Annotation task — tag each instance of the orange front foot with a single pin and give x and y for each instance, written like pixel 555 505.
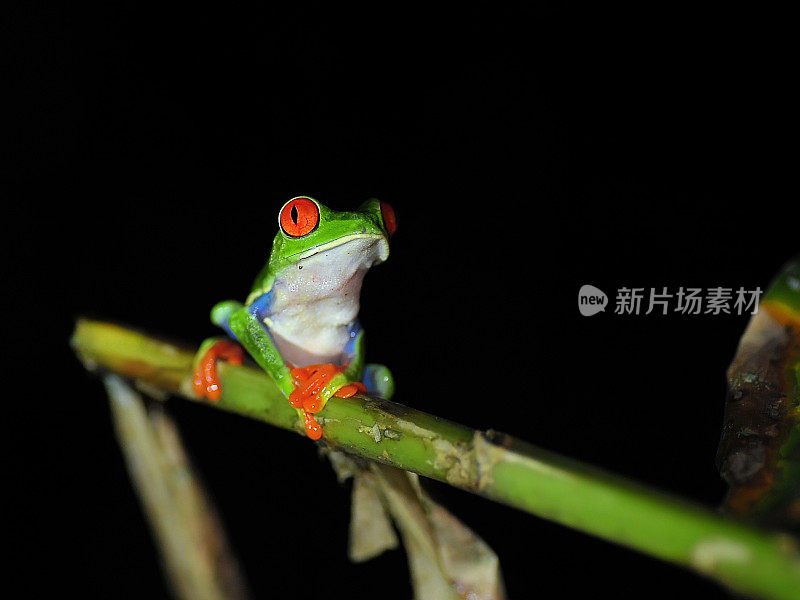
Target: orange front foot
pixel 309 382
pixel 205 381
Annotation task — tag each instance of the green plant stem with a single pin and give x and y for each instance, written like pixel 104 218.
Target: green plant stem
pixel 493 465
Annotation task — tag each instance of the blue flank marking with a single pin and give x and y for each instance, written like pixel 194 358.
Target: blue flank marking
pixel 262 305
pixel 260 308
pixel 350 347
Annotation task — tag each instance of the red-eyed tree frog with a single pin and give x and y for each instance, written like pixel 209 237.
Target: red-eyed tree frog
pixel 299 322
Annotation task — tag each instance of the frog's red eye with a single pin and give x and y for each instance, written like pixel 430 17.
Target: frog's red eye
pixel 299 217
pixel 389 218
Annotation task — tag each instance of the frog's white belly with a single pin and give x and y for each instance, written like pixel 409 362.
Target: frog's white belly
pixel 317 299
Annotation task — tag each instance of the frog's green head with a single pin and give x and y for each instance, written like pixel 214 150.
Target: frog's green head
pixel 308 228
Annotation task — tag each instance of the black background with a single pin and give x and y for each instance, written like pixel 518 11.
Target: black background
pixel 526 150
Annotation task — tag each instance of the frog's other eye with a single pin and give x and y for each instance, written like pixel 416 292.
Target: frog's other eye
pixel 299 217
pixel 389 218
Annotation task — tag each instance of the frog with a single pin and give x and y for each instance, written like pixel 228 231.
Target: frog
pixel 300 321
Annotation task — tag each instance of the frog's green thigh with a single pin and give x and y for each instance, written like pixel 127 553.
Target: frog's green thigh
pixel 251 334
pixel 379 381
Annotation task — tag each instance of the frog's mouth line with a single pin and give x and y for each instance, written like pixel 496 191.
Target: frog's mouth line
pixel 384 254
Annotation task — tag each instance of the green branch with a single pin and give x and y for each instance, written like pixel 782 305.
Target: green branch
pixel 493 465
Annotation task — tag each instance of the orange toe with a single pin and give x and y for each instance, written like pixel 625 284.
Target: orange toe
pixel 313 429
pixel 350 390
pixel 205 381
pixel 309 381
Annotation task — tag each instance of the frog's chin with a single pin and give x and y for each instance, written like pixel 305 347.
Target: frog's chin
pixel 382 246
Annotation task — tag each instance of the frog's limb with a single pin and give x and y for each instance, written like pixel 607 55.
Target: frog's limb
pixel 222 311
pixel 248 326
pixel 308 388
pixel 343 381
pixel 205 381
pixel 245 325
pixel 316 384
pixel 354 352
pixel 378 381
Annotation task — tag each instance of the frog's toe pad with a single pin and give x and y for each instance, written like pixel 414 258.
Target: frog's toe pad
pixel 205 381
pixel 313 429
pixel 351 390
